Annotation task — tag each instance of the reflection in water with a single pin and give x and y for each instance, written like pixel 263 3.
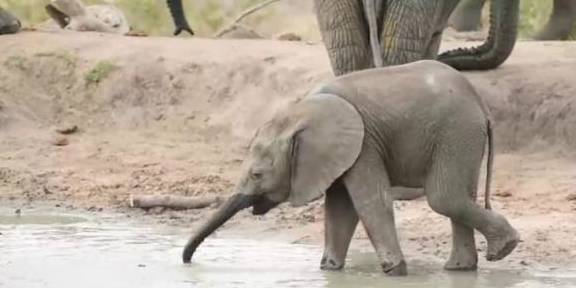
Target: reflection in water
pixel 54 251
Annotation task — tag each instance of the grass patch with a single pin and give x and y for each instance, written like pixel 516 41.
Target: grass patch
pixel 100 72
pixel 68 58
pixel 15 61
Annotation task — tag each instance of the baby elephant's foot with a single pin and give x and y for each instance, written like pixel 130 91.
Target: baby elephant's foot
pixel 462 264
pixel 500 247
pixel 463 258
pixel 330 264
pixel 394 269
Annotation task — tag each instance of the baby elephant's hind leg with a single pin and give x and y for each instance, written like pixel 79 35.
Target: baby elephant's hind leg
pixel 452 179
pixel 463 256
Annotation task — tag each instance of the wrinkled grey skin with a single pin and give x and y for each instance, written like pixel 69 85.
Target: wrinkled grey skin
pixel 9 24
pixel 419 125
pixel 408 31
pixel 562 21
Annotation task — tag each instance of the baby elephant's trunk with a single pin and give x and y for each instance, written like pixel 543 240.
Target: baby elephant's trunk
pixel 234 204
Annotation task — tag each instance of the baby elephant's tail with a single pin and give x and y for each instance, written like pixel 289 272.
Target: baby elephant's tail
pixel 489 164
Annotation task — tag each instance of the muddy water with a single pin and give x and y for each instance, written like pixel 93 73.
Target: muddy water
pixel 50 250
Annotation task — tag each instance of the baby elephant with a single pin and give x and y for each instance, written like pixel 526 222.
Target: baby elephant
pixel 415 125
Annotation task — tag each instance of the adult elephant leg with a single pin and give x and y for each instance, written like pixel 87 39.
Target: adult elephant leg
pixel 339 225
pixel 372 8
pixel 452 178
pixel 467 15
pixel 497 47
pixel 412 30
pixel 560 23
pixel 345 34
pixel 406 31
pixel 367 182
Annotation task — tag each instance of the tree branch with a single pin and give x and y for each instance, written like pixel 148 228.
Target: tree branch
pixel 173 202
pixel 243 15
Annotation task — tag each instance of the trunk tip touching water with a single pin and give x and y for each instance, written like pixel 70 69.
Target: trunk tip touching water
pixel 234 204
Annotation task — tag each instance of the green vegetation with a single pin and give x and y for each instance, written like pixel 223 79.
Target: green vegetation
pixel 100 72
pixel 64 56
pixel 18 62
pixel 152 16
pixel 29 11
pixel 533 16
pixel 208 16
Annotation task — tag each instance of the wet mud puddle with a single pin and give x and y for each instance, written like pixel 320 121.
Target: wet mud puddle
pixel 58 250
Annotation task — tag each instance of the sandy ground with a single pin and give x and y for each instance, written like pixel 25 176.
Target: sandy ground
pixel 165 115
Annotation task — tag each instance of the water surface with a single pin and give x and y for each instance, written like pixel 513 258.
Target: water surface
pixel 69 251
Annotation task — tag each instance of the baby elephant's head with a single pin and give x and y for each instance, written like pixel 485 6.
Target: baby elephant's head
pixel 294 157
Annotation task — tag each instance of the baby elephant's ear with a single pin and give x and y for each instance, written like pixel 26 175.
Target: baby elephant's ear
pixel 327 144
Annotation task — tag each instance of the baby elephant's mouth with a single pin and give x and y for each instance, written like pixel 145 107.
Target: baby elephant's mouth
pixel 262 205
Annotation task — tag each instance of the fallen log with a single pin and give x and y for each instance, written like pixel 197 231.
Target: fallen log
pixel 172 202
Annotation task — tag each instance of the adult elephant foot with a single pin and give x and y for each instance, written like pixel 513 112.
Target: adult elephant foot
pixel 502 244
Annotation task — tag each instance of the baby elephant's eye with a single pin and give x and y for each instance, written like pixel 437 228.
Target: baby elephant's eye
pixel 256 175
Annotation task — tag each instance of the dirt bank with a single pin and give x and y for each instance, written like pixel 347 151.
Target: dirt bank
pixel 159 115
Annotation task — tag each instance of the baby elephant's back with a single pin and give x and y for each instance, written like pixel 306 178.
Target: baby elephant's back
pixel 416 90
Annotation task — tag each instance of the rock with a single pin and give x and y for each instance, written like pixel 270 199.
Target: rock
pixel 239 32
pixel 571 197
pixel 46 190
pixel 137 33
pixel 60 141
pixel 67 128
pixel 74 15
pixel 503 193
pixel 288 36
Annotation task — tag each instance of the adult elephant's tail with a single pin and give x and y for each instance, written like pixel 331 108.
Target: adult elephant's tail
pixel 499 44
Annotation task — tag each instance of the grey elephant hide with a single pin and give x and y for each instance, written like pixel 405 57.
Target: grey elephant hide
pixel 418 125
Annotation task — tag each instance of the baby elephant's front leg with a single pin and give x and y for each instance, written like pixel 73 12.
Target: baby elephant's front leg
pixel 366 182
pixel 339 225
